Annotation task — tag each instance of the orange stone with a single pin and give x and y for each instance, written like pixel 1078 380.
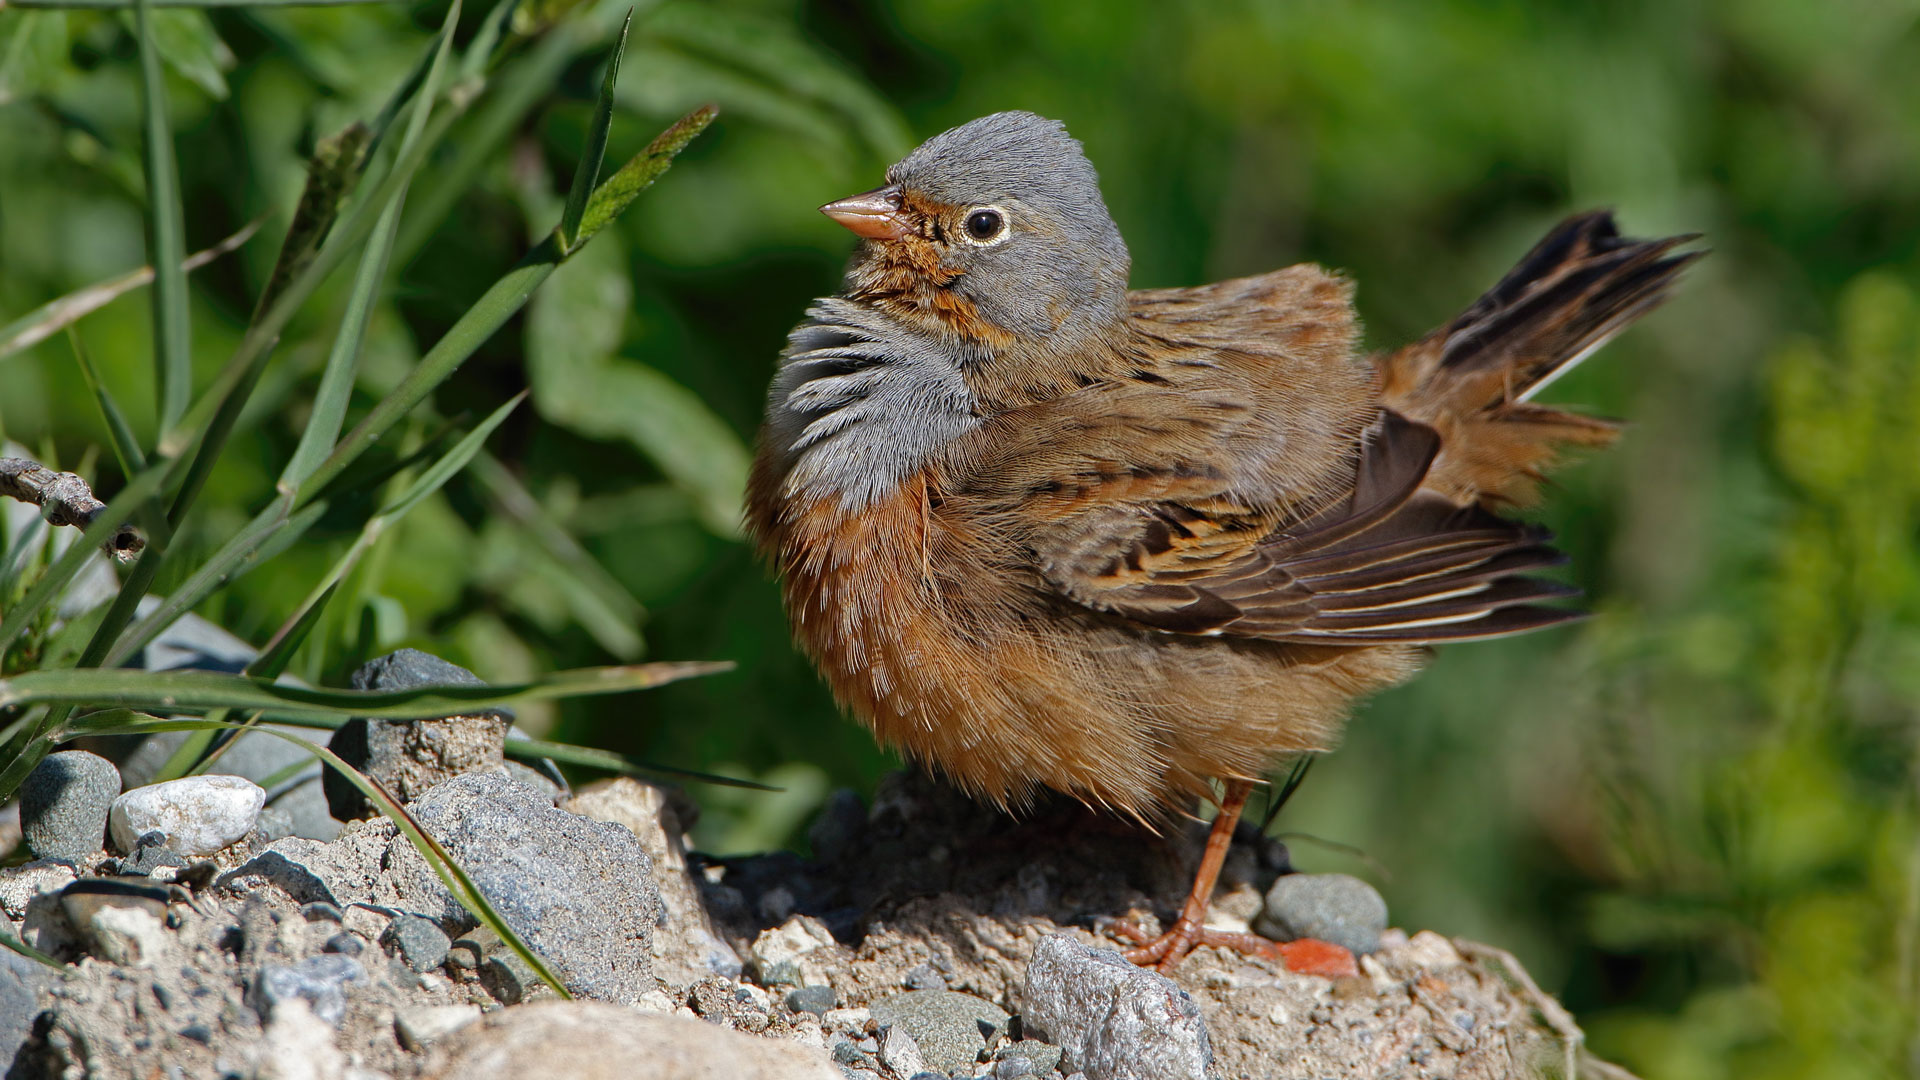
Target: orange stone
pixel 1310 956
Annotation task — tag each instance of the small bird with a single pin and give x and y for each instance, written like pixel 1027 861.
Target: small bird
pixel 1041 531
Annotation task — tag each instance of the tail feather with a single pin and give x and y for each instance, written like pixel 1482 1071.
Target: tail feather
pixel 1471 380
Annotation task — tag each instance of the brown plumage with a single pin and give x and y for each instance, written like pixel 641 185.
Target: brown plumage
pixel 1038 531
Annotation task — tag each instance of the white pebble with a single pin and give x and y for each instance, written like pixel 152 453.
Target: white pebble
pixel 198 814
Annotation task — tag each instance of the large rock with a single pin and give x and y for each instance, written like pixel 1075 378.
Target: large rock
pixel 1112 1020
pixel 64 803
pixel 582 1040
pixel 408 757
pixel 580 892
pixel 686 948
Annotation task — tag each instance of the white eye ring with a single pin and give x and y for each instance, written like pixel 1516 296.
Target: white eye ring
pixel 985 226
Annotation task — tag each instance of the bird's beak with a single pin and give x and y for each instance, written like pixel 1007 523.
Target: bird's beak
pixel 874 214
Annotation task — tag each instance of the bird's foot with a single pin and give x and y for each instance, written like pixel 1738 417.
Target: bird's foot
pixel 1163 953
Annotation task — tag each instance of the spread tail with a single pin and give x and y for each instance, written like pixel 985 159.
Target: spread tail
pixel 1472 379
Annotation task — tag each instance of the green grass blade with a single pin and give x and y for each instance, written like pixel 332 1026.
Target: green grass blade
pixel 54 582
pixel 202 691
pixel 510 96
pixel 450 464
pixel 589 757
pixel 508 296
pixel 602 605
pixel 113 5
pixel 126 446
pixel 336 378
pixel 638 174
pixel 268 534
pixel 587 176
pixel 7 939
pixel 472 330
pixel 289 637
pixel 50 318
pixel 166 225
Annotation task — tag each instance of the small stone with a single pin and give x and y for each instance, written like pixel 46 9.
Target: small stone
pixel 122 922
pixel 509 978
pixel 199 814
pixel 1043 1056
pixel 1311 956
pixel 419 1025
pixel 900 1053
pixel 199 1033
pixel 1012 1068
pixel 845 1053
pixel 150 856
pixel 924 977
pixel 818 1000
pixel 1335 908
pixel 421 942
pixel 319 982
pixel 791 954
pixel 64 803
pixel 345 944
pixel 1112 1019
pixel 846 1019
pixel 409 757
pixel 950 1029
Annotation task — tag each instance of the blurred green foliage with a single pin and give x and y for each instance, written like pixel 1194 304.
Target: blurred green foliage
pixel 1693 816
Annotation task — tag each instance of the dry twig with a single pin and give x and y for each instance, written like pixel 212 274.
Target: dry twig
pixel 65 499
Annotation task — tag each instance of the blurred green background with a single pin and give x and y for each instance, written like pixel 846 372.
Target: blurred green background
pixel 1692 816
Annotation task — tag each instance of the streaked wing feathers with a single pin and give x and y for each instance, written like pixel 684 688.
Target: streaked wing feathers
pixel 1388 564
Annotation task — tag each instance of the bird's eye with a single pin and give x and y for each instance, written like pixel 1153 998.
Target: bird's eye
pixel 985 225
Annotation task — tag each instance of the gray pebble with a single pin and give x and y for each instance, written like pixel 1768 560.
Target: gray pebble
pixel 1334 908
pixel 509 978
pixel 421 942
pixel 64 803
pixel 950 1028
pixel 1012 1068
pixel 1042 1056
pixel 845 1053
pixel 345 944
pixel 924 977
pixel 812 999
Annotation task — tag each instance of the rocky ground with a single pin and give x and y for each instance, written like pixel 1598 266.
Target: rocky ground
pixel 203 935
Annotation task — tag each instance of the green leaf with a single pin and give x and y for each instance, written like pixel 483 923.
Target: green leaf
pixel 290 636
pixel 186 40
pixel 337 377
pixel 268 534
pixel 126 446
pixel 166 244
pixel 638 174
pixel 200 691
pixel 588 174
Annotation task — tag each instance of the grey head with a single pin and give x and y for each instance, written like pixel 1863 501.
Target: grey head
pixel 1002 214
